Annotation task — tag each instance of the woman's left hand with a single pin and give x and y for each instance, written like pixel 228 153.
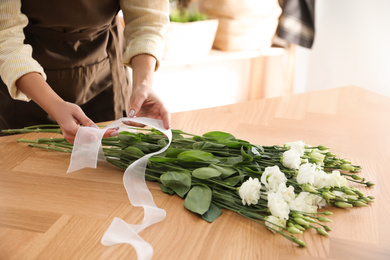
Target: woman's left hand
pixel 144 101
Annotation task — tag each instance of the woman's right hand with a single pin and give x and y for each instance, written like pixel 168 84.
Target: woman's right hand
pixel 68 116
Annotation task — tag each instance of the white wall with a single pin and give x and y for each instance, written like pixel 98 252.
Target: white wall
pixel 351 47
pixel 200 85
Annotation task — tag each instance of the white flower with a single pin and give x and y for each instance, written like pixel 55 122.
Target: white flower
pixel 335 179
pixel 320 179
pixel 298 146
pixel 317 157
pixel 291 159
pixel 271 220
pixel 306 173
pixel 301 204
pixel 315 200
pixel 278 206
pixel 272 177
pixel 288 194
pixel 250 191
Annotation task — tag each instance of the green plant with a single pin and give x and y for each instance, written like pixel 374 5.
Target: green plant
pixel 180 12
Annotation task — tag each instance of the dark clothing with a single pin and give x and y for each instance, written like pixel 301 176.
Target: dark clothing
pixel 79 43
pixel 296 23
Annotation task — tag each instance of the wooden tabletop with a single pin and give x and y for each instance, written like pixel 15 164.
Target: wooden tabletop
pixel 46 213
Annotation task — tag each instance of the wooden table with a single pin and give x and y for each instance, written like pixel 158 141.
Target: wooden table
pixel 48 214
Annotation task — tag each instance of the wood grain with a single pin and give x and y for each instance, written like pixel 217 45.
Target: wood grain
pixel 48 214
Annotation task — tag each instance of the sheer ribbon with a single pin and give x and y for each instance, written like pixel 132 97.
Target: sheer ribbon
pixel 86 150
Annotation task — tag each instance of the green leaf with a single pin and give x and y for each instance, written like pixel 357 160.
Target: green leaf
pixel 233 181
pixel 198 199
pixel 134 152
pixel 232 160
pixel 212 214
pixel 166 189
pixel 205 173
pixel 220 137
pixel 173 152
pixel 226 171
pixel 204 145
pixel 246 157
pixel 128 138
pixel 179 181
pixel 233 144
pixel 147 147
pixel 195 156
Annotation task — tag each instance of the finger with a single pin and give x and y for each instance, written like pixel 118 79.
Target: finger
pixel 129 123
pixel 69 132
pixel 111 132
pixel 166 117
pixel 136 105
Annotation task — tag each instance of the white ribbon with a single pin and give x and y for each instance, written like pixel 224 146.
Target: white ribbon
pixel 87 147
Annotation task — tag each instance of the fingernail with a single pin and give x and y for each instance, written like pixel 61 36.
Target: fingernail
pixel 94 126
pixel 115 128
pixel 126 122
pixel 131 113
pixel 116 133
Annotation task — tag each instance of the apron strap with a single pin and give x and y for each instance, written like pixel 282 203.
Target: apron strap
pixel 119 81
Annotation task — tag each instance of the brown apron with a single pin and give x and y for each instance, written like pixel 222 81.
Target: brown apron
pixel 79 43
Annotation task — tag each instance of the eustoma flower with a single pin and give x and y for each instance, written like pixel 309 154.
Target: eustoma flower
pixel 272 177
pixel 291 159
pixel 307 202
pixel 278 206
pixel 298 146
pixel 250 191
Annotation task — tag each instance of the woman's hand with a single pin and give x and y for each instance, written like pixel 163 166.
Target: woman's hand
pixel 68 116
pixel 144 101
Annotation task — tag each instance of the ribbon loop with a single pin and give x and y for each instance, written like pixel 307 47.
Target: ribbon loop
pixel 87 147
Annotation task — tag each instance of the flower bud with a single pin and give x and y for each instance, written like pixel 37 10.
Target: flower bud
pixel 327 195
pixel 322 232
pixel 359 203
pixel 369 184
pixel 329 154
pixel 328 213
pixel 371 197
pixel 296 215
pixel 329 164
pixel 348 191
pixel 299 242
pixel 309 188
pixel 366 199
pixel 294 230
pixel 327 228
pixel 302 222
pixel 357 177
pixel 347 167
pixel 346 161
pixel 317 158
pixel 322 147
pixel 299 227
pixel 342 204
pixel 309 219
pixel 323 219
pixel 358 192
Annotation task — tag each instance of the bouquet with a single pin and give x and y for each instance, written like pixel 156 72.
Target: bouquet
pixel 281 187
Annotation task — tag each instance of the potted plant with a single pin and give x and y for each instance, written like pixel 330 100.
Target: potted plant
pixel 190 32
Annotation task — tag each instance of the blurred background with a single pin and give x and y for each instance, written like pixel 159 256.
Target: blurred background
pixel 246 58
